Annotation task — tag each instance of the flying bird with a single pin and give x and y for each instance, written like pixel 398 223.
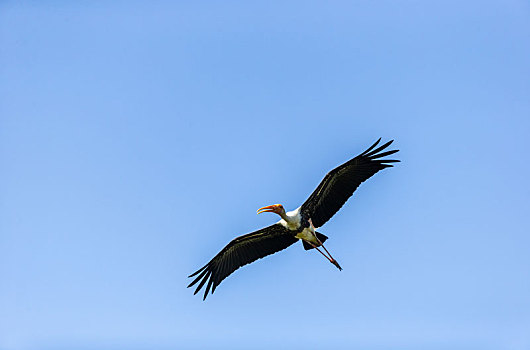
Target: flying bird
pixel 300 224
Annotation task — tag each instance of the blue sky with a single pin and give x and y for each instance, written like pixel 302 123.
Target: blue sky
pixel 138 138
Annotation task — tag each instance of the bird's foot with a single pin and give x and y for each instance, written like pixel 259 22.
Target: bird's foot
pixel 334 262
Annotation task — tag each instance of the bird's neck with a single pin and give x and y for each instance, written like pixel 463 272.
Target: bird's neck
pixel 290 219
pixel 285 217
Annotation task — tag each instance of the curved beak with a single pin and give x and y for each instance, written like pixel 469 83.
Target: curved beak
pixel 267 209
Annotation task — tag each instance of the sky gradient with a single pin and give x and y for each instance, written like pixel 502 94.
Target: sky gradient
pixel 138 138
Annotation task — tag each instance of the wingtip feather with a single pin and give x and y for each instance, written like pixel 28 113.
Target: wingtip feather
pixel 207 288
pixel 198 278
pixel 199 270
pixel 371 147
pixel 384 154
pixel 205 278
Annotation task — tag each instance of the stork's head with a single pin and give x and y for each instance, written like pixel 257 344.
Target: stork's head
pixel 275 208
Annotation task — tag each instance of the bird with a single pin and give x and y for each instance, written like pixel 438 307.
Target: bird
pixel 297 225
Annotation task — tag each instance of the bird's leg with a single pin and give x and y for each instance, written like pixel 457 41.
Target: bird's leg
pixel 331 260
pixel 321 252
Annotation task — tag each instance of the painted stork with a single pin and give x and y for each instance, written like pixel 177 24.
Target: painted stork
pixel 330 195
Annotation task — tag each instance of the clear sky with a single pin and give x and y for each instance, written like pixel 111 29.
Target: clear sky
pixel 137 138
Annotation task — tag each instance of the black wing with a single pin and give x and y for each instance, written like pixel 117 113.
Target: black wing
pixel 241 251
pixel 340 183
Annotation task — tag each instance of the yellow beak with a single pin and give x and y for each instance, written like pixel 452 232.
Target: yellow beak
pixel 268 209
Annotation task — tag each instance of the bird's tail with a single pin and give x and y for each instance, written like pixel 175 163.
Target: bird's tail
pixel 320 236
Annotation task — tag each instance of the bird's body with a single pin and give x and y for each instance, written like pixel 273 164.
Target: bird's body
pixel 299 224
pixel 308 234
pixel 293 221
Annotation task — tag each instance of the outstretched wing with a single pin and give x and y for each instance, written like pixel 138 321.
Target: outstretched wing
pixel 340 183
pixel 241 251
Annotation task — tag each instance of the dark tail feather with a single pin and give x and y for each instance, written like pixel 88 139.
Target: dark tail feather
pixel 320 236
